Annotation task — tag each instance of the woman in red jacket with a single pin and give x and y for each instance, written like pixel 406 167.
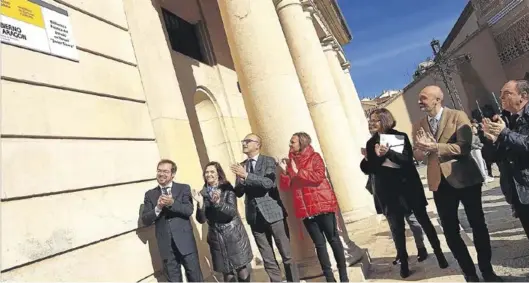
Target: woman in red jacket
pixel 303 173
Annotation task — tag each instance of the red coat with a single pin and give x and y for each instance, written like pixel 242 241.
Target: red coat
pixel 311 190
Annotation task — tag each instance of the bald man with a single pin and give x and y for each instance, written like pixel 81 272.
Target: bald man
pixel 443 138
pixel 265 213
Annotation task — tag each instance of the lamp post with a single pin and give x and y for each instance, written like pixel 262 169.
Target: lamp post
pixel 445 66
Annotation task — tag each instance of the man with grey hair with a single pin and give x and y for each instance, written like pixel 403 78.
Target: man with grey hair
pixel 510 134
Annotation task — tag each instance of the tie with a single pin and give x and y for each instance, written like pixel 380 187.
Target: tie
pixel 250 166
pixel 433 125
pixel 512 121
pixel 165 191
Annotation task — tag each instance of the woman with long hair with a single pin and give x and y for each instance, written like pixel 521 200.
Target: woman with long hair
pixel 397 186
pixel 303 173
pixel 228 241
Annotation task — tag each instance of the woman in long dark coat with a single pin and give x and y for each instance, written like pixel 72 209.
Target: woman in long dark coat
pixel 228 241
pixel 397 186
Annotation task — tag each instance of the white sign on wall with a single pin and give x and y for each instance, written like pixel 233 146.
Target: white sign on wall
pixel 39 26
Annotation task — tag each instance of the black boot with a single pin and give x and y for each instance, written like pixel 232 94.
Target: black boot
pixel 404 269
pixel 491 277
pixel 422 254
pixel 344 277
pixel 471 278
pixel 441 260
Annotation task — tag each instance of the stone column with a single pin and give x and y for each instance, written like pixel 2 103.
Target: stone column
pixel 350 102
pixel 340 150
pixel 272 95
pixel 364 127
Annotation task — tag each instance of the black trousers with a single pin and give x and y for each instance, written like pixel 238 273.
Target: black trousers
pixel 396 225
pixel 522 210
pixel 263 232
pixel 447 200
pixel 321 227
pixel 191 263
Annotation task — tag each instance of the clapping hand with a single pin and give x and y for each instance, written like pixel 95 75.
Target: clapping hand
pixel 283 163
pixel 215 196
pixel 161 202
pixel 167 200
pixel 198 197
pixel 492 129
pixel 239 171
pixel 425 141
pixel 363 151
pixel 381 150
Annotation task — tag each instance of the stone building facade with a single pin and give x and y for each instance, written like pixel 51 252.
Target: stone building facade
pixel 495 33
pixel 184 80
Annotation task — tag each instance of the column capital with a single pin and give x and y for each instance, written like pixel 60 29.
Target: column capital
pixel 308 6
pixel 281 4
pixel 329 43
pixel 346 65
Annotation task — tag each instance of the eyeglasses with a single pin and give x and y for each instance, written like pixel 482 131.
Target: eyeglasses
pixel 163 171
pixel 248 141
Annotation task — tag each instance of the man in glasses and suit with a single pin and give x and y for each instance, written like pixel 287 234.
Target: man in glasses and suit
pixel 169 206
pixel 265 213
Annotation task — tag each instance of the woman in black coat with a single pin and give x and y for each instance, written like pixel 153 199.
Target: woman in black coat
pixel 228 241
pixel 397 186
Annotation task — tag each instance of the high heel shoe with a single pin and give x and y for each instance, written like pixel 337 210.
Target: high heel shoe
pixel 404 269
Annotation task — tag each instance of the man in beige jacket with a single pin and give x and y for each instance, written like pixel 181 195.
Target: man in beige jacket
pixel 443 138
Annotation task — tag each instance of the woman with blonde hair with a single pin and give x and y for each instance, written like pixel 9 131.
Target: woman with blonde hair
pixel 303 174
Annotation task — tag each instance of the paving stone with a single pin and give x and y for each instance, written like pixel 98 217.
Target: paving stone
pixel 510 247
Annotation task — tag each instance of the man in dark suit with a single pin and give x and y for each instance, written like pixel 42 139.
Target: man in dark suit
pixel 509 134
pixel 169 206
pixel 265 213
pixel 443 138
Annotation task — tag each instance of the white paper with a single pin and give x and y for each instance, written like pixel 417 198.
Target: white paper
pixel 395 142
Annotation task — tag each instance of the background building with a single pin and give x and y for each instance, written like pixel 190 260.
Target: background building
pixel 81 137
pixel 496 36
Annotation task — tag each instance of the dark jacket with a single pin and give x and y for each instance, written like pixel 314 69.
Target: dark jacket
pixel 228 242
pixel 174 219
pixel 261 192
pixel 405 191
pixel 511 152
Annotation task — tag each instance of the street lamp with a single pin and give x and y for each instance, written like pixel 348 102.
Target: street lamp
pixel 445 67
pixel 436 47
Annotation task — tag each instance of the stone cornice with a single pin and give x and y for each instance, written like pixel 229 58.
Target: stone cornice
pixel 329 40
pixel 334 20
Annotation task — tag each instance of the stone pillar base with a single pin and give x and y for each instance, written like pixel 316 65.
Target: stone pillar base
pixel 310 267
pixel 359 271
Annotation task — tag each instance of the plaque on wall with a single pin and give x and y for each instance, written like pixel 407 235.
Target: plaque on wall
pixel 37 25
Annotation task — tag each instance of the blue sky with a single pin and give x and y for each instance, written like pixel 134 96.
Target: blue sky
pixel 391 37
